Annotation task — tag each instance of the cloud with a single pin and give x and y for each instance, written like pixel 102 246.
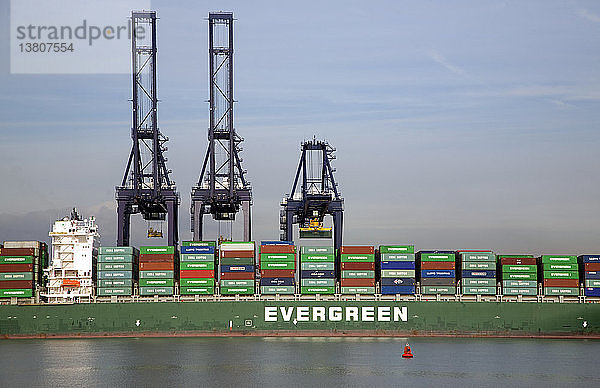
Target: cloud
pixel 588 15
pixel 440 59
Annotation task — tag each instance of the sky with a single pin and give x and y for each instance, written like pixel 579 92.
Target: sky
pixel 466 124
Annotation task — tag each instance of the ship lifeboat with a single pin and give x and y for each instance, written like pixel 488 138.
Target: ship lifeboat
pixel 70 283
pixel 407 353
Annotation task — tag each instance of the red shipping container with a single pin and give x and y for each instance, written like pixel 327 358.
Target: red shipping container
pixel 197 273
pixel 363 266
pixel 8 284
pixel 357 249
pixel 518 260
pixel 239 254
pixel 277 249
pixel 157 258
pixel 17 251
pixel 16 267
pixel 437 265
pixel 592 266
pixel 277 273
pixel 157 266
pixel 561 283
pixel 236 275
pixel 358 282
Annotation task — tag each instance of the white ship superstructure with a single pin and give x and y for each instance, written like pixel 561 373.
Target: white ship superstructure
pixel 74 250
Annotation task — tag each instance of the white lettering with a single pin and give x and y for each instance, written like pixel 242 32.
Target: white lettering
pixel 302 314
pixel 368 314
pixel 383 314
pixel 335 314
pixel 352 312
pixel 400 314
pixel 318 312
pixel 270 314
pixel 287 315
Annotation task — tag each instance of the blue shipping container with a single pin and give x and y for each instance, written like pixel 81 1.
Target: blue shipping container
pixel 397 265
pixel 592 291
pixel 397 281
pixel 590 258
pixel 592 274
pixel 277 282
pixel 237 268
pixel 197 249
pixel 393 290
pixel 317 274
pixel 466 273
pixel 429 273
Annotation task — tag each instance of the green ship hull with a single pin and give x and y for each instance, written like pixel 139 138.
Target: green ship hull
pixel 301 318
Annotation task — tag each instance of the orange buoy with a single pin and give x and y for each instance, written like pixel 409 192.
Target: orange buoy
pixel 407 353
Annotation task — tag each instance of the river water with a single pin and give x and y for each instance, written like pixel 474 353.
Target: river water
pixel 298 362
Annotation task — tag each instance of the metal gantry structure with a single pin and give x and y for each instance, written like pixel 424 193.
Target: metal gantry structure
pixel 222 188
pixel 316 196
pixel 146 187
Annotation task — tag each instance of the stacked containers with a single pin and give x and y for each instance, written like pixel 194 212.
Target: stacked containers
pixel 437 270
pixel 519 274
pixel 358 269
pixel 590 265
pixel 277 260
pixel 317 270
pixel 398 268
pixel 478 272
pixel 20 267
pixel 117 269
pixel 236 262
pixel 560 274
pixel 157 270
pixel 197 269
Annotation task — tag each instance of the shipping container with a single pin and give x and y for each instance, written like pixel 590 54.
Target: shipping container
pixel 478 265
pixel 398 273
pixel 397 249
pixel 325 266
pixel 277 257
pixel 197 290
pixel 437 265
pixel 264 249
pixel 193 258
pixel 156 274
pixel 518 261
pixel 397 257
pixel 358 290
pixel 559 259
pixel 198 243
pixel 16 284
pixel 194 265
pixel 237 268
pixel 398 289
pixel 198 282
pixel 441 290
pixel 570 291
pixel 156 282
pixel 591 266
pixel 470 290
pixel 396 265
pixel 16 268
pixel 277 265
pixel 398 281
pixel 437 257
pixel 429 273
pixel 323 282
pixel 560 267
pixel 197 273
pixel 115 266
pixel 314 274
pixel 320 250
pixel 156 290
pixel 119 251
pixel 225 290
pixel 478 282
pixel 198 250
pixel 107 283
pixel 312 290
pixel 519 291
pixel 592 274
pixel 357 249
pixel 519 268
pixel 158 250
pixel 237 275
pixel 438 282
pixel 592 282
pixel 478 257
pixel 349 258
pixel 285 290
pixel 16 260
pixel 357 266
pixel 590 258
pixel 237 283
pixel 19 252
pixel 561 282
pixel 561 275
pixel 115 274
pixel 237 260
pixel 158 258
pixel 317 258
pixel 277 281
pixel 469 273
pixel 16 276
pixel 519 276
pixel 19 293
pixel 358 274
pixel 282 273
pixel 116 259
pixel 114 291
pixel 519 283
pixel 357 282
pixel 588 291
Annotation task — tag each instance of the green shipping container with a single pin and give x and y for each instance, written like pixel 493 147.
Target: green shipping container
pixel 479 290
pixel 561 275
pixel 592 282
pixel 317 258
pixel 237 260
pixel 397 273
pixel 283 290
pixel 478 256
pixel 519 283
pixel 193 257
pixel 106 283
pixel 197 282
pixel 156 274
pixel 317 282
pixel 115 266
pixel 198 243
pixel 560 267
pixel 358 274
pixel 519 291
pixel 197 290
pixel 317 266
pixel 237 283
pixel 437 257
pixel 397 257
pixel 115 274
pixel 156 282
pixel 312 290
pixel 19 293
pixel 519 268
pixel 114 291
pixel 570 291
pixel 16 276
pixel 478 282
pixel 16 260
pixel 366 258
pixel 118 251
pixel 358 290
pixel 565 259
pixel 277 265
pixel 325 250
pixel 277 257
pixel 115 259
pixel 237 290
pixel 197 265
pixel 438 290
pixel 397 249
pixel 479 265
pixel 156 290
pixel 519 276
pixel 159 250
